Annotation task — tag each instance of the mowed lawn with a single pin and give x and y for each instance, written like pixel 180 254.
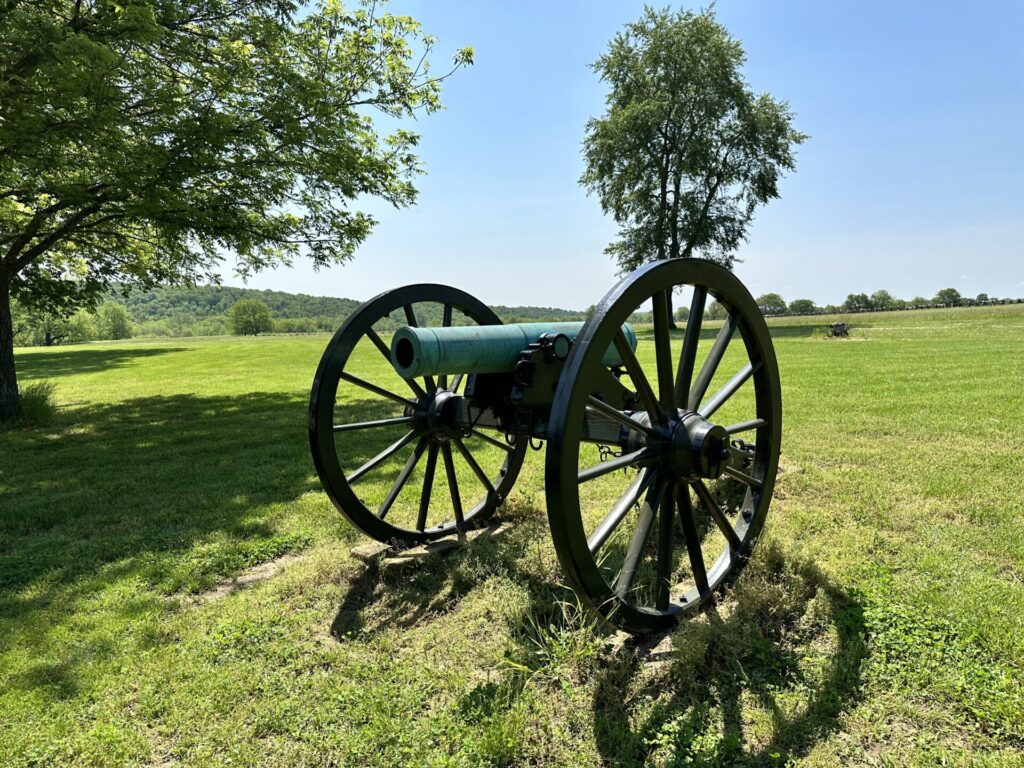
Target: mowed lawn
pixel 881 621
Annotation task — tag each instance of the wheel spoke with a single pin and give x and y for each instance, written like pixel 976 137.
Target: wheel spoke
pixel 624 581
pixel 618 513
pixel 729 389
pixel 638 377
pixel 456 382
pixel 453 484
pixel 707 371
pixel 410 318
pixel 663 350
pixel 691 340
pixel 378 342
pixel 371 424
pixel 391 450
pixel 626 460
pixel 616 415
pixel 746 426
pixel 428 483
pixel 481 475
pixel 491 441
pixel 705 497
pixel 375 389
pixel 403 476
pixel 446 321
pixel 700 575
pixel 734 473
pixel 665 516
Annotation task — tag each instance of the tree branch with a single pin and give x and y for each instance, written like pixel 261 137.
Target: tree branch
pixel 61 232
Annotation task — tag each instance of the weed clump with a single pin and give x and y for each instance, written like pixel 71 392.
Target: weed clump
pixel 38 406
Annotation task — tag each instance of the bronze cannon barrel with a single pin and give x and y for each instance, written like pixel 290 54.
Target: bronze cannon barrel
pixel 478 348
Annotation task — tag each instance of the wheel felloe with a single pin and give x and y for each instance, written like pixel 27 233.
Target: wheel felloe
pixel 415 424
pixel 656 543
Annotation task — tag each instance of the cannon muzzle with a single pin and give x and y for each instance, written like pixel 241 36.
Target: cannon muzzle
pixel 478 348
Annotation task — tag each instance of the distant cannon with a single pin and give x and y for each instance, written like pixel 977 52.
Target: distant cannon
pixel 654 501
pixel 838 330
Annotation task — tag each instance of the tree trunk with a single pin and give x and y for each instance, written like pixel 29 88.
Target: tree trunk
pixel 10 401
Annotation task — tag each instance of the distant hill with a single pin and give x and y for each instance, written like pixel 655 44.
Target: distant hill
pixel 210 301
pixel 182 311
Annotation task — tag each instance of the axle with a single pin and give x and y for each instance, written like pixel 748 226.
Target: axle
pixel 689 446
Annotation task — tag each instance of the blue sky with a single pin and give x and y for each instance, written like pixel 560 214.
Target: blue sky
pixel 912 179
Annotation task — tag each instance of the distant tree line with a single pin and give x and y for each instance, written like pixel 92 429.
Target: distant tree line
pixel 880 301
pixel 773 305
pixel 221 311
pixel 35 328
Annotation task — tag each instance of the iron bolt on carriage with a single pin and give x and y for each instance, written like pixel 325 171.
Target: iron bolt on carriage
pixel 662 449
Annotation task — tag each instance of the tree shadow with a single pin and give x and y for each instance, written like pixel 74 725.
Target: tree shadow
pixel 69 361
pixel 147 499
pixel 757 680
pixel 797 331
pixel 145 475
pixel 777 331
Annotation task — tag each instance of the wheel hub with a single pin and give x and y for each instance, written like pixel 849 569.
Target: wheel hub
pixel 694 448
pixel 437 416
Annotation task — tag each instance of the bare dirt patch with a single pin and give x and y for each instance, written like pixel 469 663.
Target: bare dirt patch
pixel 247 579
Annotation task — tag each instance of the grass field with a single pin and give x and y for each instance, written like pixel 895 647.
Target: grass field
pixel 881 621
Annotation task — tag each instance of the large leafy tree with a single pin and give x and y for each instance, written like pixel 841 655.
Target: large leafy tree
pixel 771 304
pixel 882 299
pixel 113 321
pixel 142 141
pixel 858 302
pixel 802 307
pixel 250 317
pixel 685 151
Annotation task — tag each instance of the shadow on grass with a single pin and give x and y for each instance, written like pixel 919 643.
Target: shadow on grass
pixel 74 360
pixel 401 590
pixel 797 331
pixel 758 680
pixel 777 331
pixel 122 505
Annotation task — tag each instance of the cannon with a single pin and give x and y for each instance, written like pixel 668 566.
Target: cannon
pixel 661 444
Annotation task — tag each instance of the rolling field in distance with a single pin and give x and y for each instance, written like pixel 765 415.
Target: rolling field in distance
pixel 880 621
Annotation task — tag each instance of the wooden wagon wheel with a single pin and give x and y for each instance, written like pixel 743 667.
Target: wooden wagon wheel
pixel 367 424
pixel 650 535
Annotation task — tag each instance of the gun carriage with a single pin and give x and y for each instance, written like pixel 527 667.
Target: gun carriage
pixel 662 446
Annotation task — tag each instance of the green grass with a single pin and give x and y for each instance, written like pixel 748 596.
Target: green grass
pixel 881 621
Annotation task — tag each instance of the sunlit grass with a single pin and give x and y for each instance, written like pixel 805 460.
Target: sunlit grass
pixel 881 620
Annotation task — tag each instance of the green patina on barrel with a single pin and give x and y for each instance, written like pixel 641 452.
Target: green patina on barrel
pixel 477 348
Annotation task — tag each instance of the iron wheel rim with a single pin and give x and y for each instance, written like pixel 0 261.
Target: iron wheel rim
pixel 322 426
pixel 562 459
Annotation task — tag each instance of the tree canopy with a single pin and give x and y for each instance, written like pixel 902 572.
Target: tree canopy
pixel 802 307
pixel 114 321
pixel 250 318
pixel 685 151
pixel 857 302
pixel 771 304
pixel 882 299
pixel 144 141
